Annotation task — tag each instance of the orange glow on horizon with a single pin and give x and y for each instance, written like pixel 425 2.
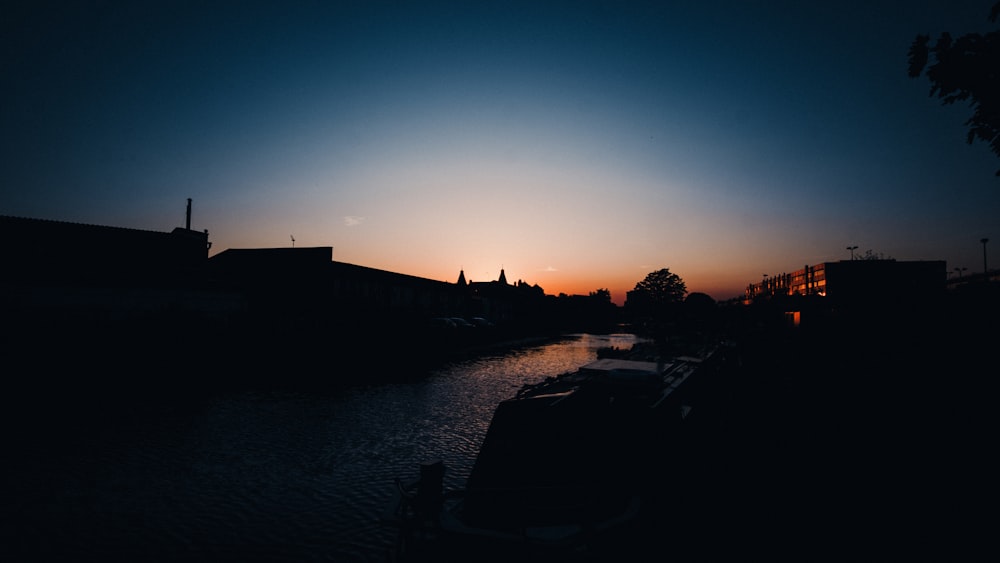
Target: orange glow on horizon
pixel 556 283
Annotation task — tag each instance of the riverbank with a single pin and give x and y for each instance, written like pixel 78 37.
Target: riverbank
pixel 850 440
pixel 66 376
pixel 258 475
pixel 846 440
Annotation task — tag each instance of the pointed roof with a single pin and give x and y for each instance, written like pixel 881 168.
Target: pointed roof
pixel 503 278
pixel 461 277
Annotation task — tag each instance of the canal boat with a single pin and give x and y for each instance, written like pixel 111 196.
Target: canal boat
pixel 568 467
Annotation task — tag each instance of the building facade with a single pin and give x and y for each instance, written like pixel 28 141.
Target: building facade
pixel 863 280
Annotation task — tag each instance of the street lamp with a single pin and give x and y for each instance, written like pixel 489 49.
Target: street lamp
pixel 959 273
pixel 986 273
pixel 852 248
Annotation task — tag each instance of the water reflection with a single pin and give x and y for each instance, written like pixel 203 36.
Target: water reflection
pixel 272 476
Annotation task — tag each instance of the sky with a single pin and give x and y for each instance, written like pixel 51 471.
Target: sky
pixel 575 145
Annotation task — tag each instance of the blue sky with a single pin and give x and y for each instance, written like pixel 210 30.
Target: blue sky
pixel 577 145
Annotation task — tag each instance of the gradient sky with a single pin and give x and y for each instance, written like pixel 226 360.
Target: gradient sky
pixel 577 145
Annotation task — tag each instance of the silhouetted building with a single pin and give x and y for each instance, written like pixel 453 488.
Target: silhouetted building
pixel 272 268
pixel 306 285
pixel 862 290
pixel 493 300
pixel 849 281
pixel 56 269
pixel 130 308
pixel 98 272
pixel 40 252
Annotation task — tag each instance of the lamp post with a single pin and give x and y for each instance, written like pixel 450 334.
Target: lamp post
pixel 851 248
pixel 986 273
pixel 959 271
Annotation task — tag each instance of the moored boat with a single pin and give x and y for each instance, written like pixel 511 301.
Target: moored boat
pixel 566 469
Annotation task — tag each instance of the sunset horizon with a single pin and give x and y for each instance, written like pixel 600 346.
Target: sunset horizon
pixel 579 146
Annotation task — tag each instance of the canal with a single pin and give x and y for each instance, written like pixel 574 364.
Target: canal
pixel 268 475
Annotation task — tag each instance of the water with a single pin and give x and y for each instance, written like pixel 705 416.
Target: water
pixel 268 476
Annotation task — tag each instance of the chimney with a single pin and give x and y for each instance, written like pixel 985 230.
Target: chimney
pixel 188 225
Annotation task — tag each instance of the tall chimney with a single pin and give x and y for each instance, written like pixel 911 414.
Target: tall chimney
pixel 188 225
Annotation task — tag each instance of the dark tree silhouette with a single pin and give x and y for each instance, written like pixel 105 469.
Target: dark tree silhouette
pixel 966 69
pixel 700 311
pixel 655 304
pixel 699 300
pixel 661 287
pixel 603 295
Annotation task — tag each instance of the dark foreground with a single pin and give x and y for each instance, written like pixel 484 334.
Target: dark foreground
pixel 859 438
pixel 852 439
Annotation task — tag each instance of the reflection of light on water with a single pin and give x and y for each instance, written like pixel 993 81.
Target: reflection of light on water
pixel 263 473
pixel 513 369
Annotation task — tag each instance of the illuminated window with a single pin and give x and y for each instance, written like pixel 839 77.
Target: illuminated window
pixel 793 318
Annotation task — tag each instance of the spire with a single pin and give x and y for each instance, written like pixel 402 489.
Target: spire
pixel 503 278
pixel 461 277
